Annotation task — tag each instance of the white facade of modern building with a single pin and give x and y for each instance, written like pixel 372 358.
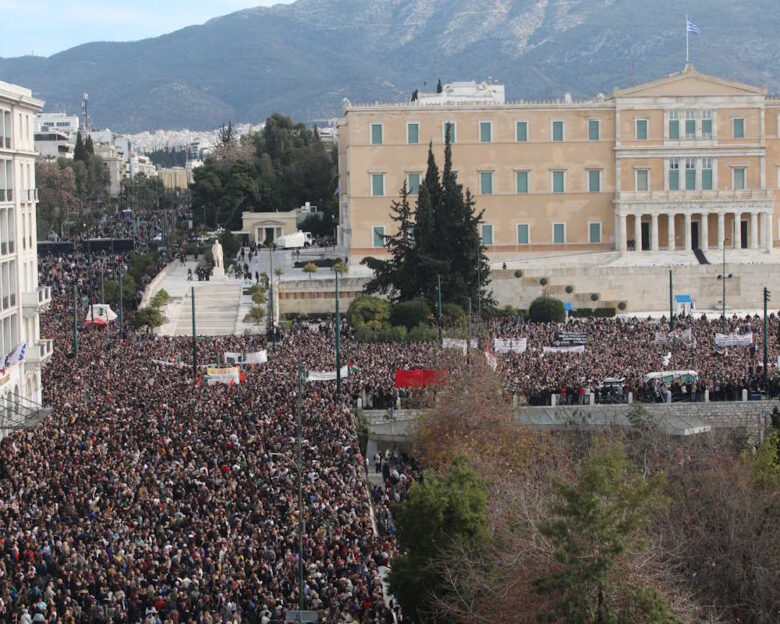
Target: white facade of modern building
pixel 21 299
pixel 61 122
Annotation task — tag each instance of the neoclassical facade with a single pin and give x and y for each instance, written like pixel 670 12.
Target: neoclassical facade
pixel 686 162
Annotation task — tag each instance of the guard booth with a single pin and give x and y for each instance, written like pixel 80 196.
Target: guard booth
pixel 684 305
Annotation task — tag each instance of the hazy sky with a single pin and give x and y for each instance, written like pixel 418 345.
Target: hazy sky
pixel 44 27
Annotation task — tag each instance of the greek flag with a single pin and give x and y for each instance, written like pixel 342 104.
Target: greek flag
pixel 693 28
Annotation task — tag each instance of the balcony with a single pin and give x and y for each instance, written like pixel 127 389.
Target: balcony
pixel 30 195
pixel 36 300
pixel 40 352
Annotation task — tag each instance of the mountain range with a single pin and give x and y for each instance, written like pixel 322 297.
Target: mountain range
pixel 303 59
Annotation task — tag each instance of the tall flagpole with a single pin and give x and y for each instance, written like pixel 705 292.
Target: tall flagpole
pixel 687 48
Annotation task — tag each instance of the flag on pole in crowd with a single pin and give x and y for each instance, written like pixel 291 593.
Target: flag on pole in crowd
pixel 354 369
pixel 16 356
pixel 693 28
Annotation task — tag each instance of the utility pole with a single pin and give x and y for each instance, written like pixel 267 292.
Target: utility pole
pixel 298 436
pixel 438 295
pixel 671 301
pixel 75 320
pixel 468 331
pixel 338 338
pixel 479 284
pixel 102 288
pixel 121 306
pixel 89 279
pixel 194 340
pixel 766 342
pixel 724 287
pixel 271 299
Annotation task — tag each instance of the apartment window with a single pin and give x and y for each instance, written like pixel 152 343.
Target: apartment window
pixel 487 234
pixel 557 131
pixel 377 184
pixel 690 124
pixel 706 174
pixel 642 180
pixel 378 235
pixel 522 181
pixel 641 129
pixel 558 181
pixel 690 174
pixel 449 131
pixel 594 129
pixel 674 174
pixel 486 182
pixel 413 183
pixel 485 131
pixel 706 124
pixel 594 232
pixel 523 234
pixel 521 131
pixel 376 134
pixel 594 180
pixel 674 125
pixel 412 133
pixel 559 233
pixel 739 127
pixel 738 178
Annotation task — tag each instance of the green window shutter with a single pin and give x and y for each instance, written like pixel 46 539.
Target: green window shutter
pixel 487 234
pixel 690 128
pixel 376 134
pixel 485 132
pixel 377 184
pixel 674 128
pixel 557 131
pixel 641 129
pixel 674 180
pixel 559 233
pixel 522 131
pixel 414 184
pixel 522 181
pixel 706 179
pixel 706 127
pixel 739 128
pixel 595 232
pixel 594 181
pixel 486 182
pixel 522 233
pixel 379 236
pixel 558 182
pixel 593 130
pixel 690 179
pixel 413 133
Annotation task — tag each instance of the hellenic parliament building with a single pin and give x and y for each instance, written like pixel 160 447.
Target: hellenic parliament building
pixel 672 170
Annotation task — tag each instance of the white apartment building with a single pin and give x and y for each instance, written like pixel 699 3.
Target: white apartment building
pixel 22 349
pixel 60 122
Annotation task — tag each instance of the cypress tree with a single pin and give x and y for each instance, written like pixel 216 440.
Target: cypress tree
pixel 90 148
pixel 439 88
pixel 80 151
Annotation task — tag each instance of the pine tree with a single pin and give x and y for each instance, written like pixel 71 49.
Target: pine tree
pixel 90 148
pixel 439 88
pixel 80 151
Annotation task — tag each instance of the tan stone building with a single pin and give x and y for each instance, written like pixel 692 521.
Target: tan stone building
pixel 689 161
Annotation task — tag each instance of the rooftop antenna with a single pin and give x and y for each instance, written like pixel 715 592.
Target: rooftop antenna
pixel 84 102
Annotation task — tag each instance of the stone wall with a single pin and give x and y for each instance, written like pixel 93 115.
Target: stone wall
pixel 318 295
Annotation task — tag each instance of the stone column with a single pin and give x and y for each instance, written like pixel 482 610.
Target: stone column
pixel 704 235
pixel 753 230
pixel 671 232
pixel 623 233
pixel 654 232
pixel 687 232
pixel 768 231
pixel 738 242
pixel 638 232
pixel 721 229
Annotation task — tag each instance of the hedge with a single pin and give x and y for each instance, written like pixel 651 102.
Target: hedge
pixel 547 309
pixel 410 313
pixel 604 312
pixel 454 315
pixel 372 312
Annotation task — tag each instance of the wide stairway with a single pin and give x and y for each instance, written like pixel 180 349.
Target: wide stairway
pixel 216 305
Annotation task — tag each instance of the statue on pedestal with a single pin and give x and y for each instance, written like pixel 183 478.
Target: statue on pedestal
pixel 216 252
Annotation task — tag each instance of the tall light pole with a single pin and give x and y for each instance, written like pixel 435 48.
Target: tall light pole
pixel 75 320
pixel 671 301
pixel 298 436
pixel 766 343
pixel 271 298
pixel 194 340
pixel 723 276
pixel 438 297
pixel 338 338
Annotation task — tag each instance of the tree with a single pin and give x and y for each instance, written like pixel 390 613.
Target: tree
pixel 310 268
pixel 80 151
pixel 161 298
pixel 111 288
pixel 439 87
pixel 371 312
pixel 339 267
pixel 256 315
pixel 148 318
pixel 593 525
pixel 89 147
pixel 442 512
pixel 546 310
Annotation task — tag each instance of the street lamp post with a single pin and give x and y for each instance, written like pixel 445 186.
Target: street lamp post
pixel 271 298
pixel 338 338
pixel 723 276
pixel 298 437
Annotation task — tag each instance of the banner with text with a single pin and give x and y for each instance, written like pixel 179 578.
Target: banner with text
pixel 510 345
pixel 327 375
pixel 570 339
pixel 454 343
pixel 677 337
pixel 574 349
pixel 734 340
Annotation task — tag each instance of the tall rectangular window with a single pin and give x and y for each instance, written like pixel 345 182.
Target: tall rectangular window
pixel 412 133
pixel 523 234
pixel 558 181
pixel 559 233
pixel 413 183
pixel 377 184
pixel 641 129
pixel 594 180
pixel 739 176
pixel 706 124
pixel 690 174
pixel 449 130
pixel 378 235
pixel 739 127
pixel 594 232
pixel 674 174
pixel 674 125
pixel 690 124
pixel 521 131
pixel 486 182
pixel 557 131
pixel 594 129
pixel 376 134
pixel 642 180
pixel 487 234
pixel 522 181
pixel 706 174
pixel 485 132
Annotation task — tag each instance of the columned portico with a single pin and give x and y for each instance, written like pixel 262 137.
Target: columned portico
pixel 638 232
pixel 654 232
pixel 753 230
pixel 670 232
pixel 704 238
pixel 721 230
pixel 687 232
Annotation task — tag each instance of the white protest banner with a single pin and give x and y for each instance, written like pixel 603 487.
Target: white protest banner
pixel 327 375
pixel 454 343
pixel 259 357
pixel 228 375
pixel 233 359
pixel 667 338
pixel 575 349
pixel 510 345
pixel 734 340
